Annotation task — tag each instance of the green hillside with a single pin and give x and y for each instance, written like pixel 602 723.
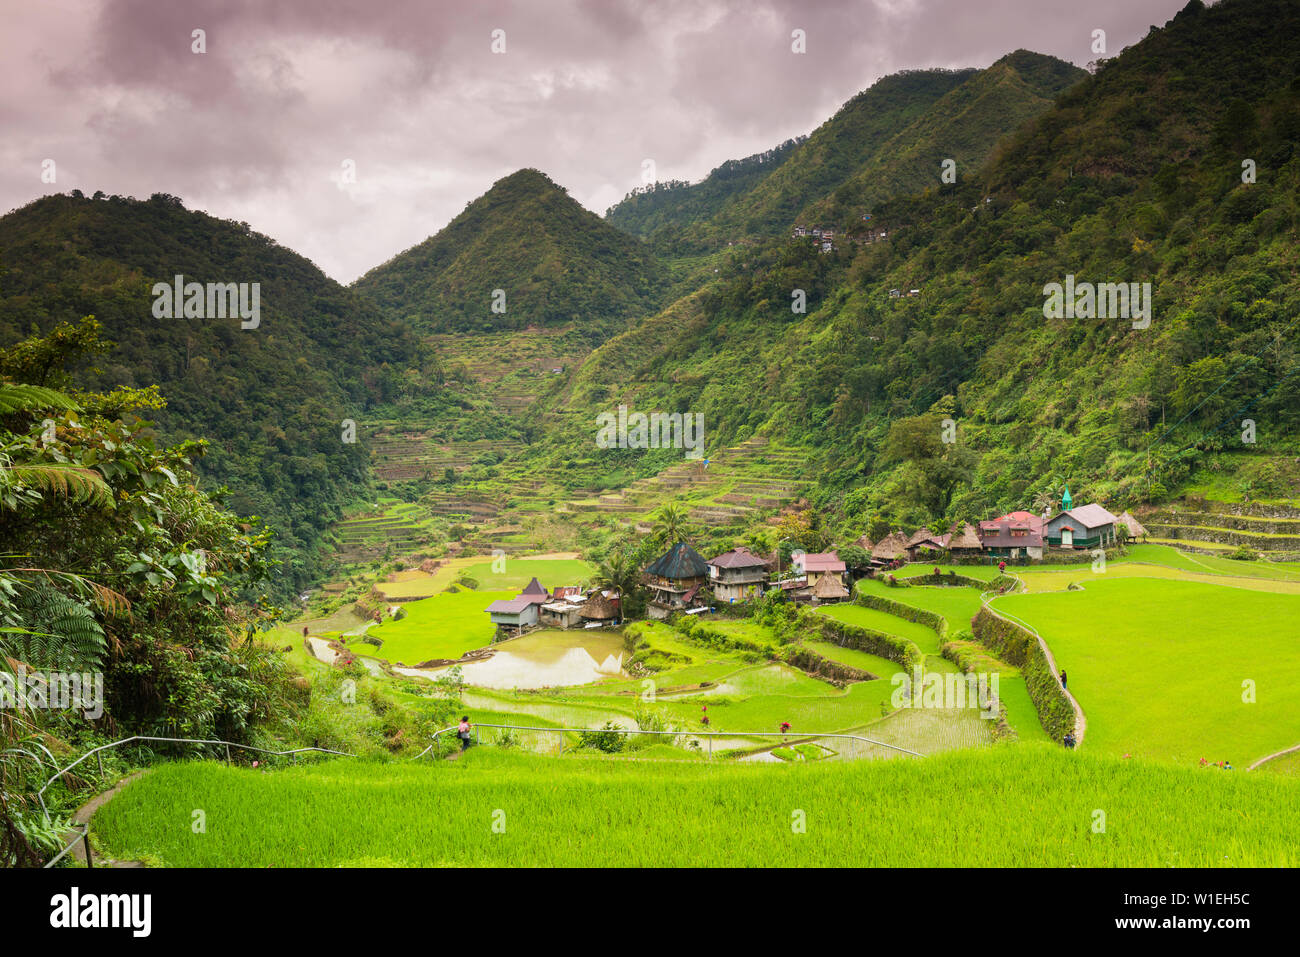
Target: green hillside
pixel 271 400
pixel 864 379
pixel 887 140
pixel 555 262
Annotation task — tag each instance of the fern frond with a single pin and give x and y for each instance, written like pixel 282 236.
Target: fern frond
pixel 72 481
pixel 33 398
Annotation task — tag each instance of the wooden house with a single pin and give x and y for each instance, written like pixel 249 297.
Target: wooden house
pixel 829 589
pixel 674 580
pixel 889 548
pixel 515 614
pixel 1088 526
pixel 598 609
pixel 814 566
pixel 737 575
pixel 964 540
pixel 1015 535
pixel 924 540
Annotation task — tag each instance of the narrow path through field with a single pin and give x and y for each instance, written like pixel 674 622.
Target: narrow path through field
pixel 1080 719
pixel 1275 754
pixel 87 811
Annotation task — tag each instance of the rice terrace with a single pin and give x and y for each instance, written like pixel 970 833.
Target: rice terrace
pixel 678 435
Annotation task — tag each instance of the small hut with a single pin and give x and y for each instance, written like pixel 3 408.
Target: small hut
pixel 1135 528
pixel 889 548
pixel 925 540
pixel 598 609
pixel 963 540
pixel 829 588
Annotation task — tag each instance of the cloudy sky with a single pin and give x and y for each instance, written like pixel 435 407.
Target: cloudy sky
pixel 259 127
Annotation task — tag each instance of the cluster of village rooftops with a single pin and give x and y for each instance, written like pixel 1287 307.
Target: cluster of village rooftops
pixel 681 580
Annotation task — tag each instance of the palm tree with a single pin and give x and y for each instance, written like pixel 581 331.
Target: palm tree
pixel 617 574
pixel 670 523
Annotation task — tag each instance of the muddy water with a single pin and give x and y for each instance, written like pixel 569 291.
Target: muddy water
pixel 548 659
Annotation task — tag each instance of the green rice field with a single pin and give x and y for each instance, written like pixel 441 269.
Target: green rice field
pixel 1008 806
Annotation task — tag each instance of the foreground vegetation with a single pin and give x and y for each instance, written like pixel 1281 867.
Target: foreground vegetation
pixel 1015 806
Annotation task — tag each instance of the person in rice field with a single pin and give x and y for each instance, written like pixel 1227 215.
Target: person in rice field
pixel 462 732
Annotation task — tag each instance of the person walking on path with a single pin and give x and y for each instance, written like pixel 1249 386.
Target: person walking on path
pixel 462 732
pixel 1063 685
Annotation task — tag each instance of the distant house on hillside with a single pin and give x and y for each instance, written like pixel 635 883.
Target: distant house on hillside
pixel 737 575
pixel 674 580
pixel 1088 526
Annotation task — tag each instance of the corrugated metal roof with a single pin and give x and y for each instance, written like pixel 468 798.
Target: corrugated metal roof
pixel 1090 516
pixel 738 558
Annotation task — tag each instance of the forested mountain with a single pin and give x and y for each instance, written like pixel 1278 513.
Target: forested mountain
pixel 889 139
pixel 527 248
pixel 677 203
pixel 270 399
pixel 1135 175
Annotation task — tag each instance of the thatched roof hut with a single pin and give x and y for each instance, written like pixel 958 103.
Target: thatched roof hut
pixel 890 547
pixel 679 563
pixel 962 537
pixel 864 542
pixel 1135 528
pixel 830 588
pixel 598 608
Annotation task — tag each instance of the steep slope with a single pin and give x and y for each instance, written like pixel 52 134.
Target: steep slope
pixel 677 204
pixel 964 125
pixel 271 399
pixel 553 262
pixel 888 140
pixel 1134 176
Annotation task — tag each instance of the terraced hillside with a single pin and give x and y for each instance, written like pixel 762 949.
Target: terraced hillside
pixel 1210 526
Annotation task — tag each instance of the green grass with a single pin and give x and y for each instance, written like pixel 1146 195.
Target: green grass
pixel 1027 806
pixel 517 572
pixel 1158 666
pixel 873 664
pixel 444 626
pixel 926 639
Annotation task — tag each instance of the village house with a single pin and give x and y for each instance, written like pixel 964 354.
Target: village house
pixel 599 609
pixel 560 614
pixel 1015 535
pixel 890 548
pixel 1088 526
pixel 674 580
pixel 924 540
pixel 737 575
pixel 813 566
pixel 964 540
pixel 828 590
pixel 514 615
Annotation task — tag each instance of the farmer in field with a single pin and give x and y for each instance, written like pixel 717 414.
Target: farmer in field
pixel 462 732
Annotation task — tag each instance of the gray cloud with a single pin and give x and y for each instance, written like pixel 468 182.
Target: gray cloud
pixel 257 128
